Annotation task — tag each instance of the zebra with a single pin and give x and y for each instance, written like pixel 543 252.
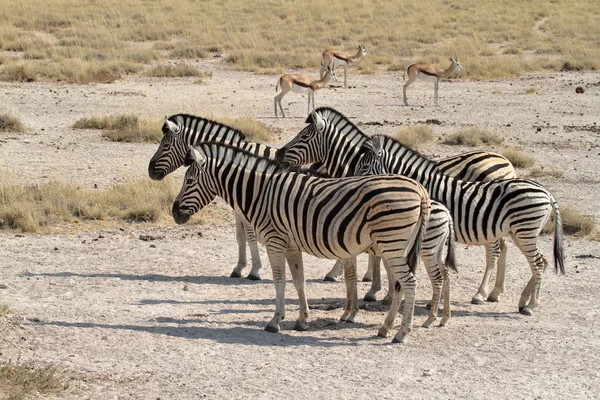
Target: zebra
pixel 340 156
pixel 440 228
pixel 183 130
pixel 483 212
pixel 329 218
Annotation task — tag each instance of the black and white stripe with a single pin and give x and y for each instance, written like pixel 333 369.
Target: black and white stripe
pixel 483 213
pixel 328 218
pixel 184 130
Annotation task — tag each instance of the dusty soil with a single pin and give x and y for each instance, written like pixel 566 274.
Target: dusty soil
pixel 127 318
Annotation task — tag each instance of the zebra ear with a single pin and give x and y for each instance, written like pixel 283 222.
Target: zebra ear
pixel 194 156
pixel 170 126
pixel 318 121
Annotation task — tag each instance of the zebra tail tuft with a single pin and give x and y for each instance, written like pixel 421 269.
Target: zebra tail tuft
pixel 451 256
pixel 559 253
pixel 412 258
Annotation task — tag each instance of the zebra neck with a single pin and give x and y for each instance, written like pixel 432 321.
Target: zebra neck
pixel 202 130
pixel 343 154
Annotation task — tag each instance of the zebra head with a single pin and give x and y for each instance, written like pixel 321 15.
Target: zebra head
pixel 197 190
pixel 171 151
pixel 309 146
pixel 369 162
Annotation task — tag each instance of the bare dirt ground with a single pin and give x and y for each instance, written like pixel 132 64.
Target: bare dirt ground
pixel 127 318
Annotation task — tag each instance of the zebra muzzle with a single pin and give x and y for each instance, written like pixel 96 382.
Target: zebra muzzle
pixel 180 216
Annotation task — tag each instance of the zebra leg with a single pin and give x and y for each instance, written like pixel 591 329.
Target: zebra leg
pixel 335 272
pixel 500 273
pixel 492 252
pixel 351 290
pixel 240 237
pixel 433 270
pixel 368 276
pixel 388 324
pixel 294 259
pixel 408 282
pixel 391 281
pixel 277 260
pixel 376 282
pixel 254 275
pixel 537 263
pixel 446 292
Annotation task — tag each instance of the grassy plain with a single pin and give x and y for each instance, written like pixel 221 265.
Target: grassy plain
pixel 103 40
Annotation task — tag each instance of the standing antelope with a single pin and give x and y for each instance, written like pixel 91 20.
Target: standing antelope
pixel 429 72
pixel 342 58
pixel 299 83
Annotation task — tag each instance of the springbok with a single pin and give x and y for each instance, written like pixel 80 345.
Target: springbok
pixel 342 58
pixel 429 72
pixel 299 83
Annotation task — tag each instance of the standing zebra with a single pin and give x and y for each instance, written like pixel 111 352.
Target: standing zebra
pixel 439 230
pixel 328 218
pixel 340 149
pixel 483 212
pixel 182 130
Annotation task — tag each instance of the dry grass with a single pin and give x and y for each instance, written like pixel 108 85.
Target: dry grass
pixel 176 71
pixel 473 137
pixel 10 123
pixel 253 129
pixel 539 172
pixel 106 39
pixel 414 136
pixel 22 381
pixel 3 310
pixel 123 128
pixel 574 222
pixel 518 159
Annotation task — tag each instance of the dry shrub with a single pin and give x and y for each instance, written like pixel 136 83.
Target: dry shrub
pixel 414 135
pixel 29 208
pixel 3 310
pixel 532 90
pixel 518 159
pixel 574 222
pixel 123 128
pixel 473 137
pixel 10 123
pixel 21 381
pixel 539 172
pixel 176 71
pixel 253 129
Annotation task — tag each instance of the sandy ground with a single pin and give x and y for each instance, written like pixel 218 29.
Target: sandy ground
pixel 127 318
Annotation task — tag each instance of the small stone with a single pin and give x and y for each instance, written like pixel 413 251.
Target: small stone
pixel 579 89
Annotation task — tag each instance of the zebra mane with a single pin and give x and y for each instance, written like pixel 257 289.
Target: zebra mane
pixel 239 157
pixel 333 116
pixel 232 133
pixel 380 141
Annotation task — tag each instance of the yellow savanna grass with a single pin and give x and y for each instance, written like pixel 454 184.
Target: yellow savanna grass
pixel 20 381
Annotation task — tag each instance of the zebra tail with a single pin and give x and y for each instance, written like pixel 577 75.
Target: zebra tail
pixel 559 253
pixel 451 256
pixel 412 258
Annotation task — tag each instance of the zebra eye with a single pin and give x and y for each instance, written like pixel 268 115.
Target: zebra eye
pixel 189 181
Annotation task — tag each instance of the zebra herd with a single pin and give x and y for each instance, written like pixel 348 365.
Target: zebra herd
pixel 363 194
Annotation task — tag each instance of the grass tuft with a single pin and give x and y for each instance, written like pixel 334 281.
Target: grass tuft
pixel 3 310
pixel 473 137
pixel 254 130
pixel 414 136
pixel 539 172
pixel 10 123
pixel 574 222
pixel 176 71
pixel 123 128
pixel 518 159
pixel 21 381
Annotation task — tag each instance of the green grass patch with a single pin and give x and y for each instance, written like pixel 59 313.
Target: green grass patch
pixel 10 123
pixel 23 381
pixel 473 137
pixel 414 136
pixel 518 159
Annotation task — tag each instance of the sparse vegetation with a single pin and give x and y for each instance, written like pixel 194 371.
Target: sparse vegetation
pixel 574 222
pixel 253 129
pixel 532 90
pixel 414 135
pixel 176 71
pixel 3 310
pixel 473 137
pixel 518 159
pixel 10 123
pixel 102 41
pixel 123 128
pixel 539 172
pixel 21 381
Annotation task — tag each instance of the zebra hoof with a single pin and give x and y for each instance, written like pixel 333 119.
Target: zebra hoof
pixel 301 326
pixel 383 332
pixel 272 329
pixel 329 279
pixel 367 279
pixel 491 299
pixel 428 306
pixel 253 277
pixel 369 297
pixel 235 274
pixel 526 311
pixel 400 338
pixel 387 300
